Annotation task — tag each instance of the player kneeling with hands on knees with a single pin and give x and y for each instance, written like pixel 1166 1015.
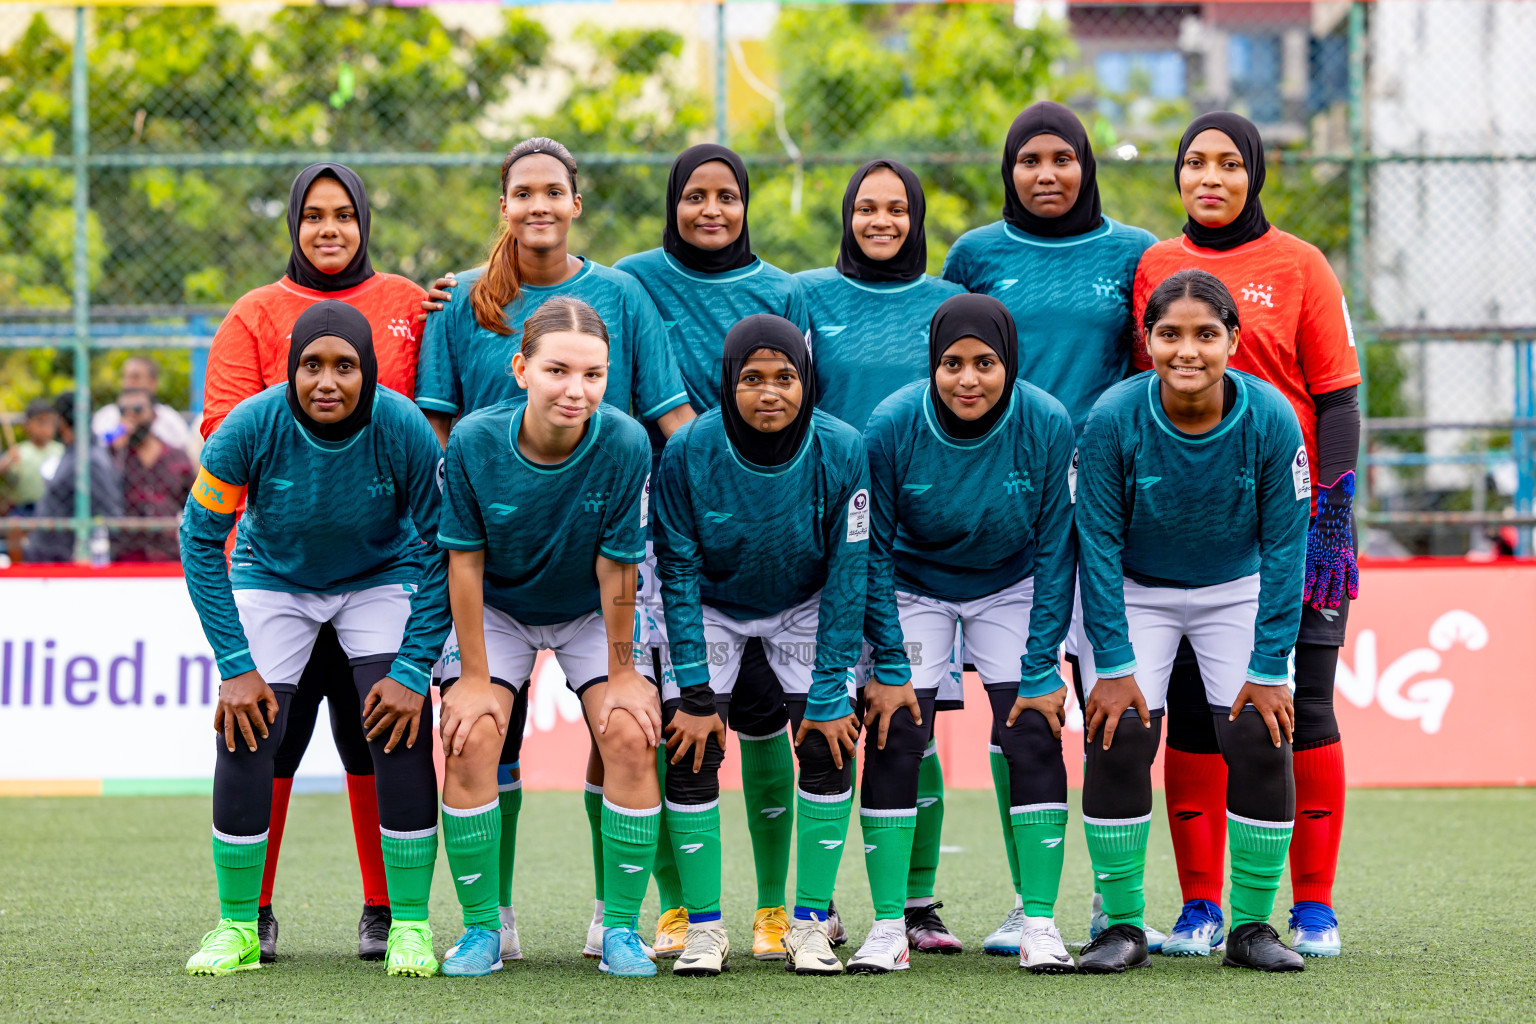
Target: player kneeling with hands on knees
pixel 544 522
pixel 991 548
pixel 339 476
pixel 1192 507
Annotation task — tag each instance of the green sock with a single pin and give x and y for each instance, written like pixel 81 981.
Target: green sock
pixel 930 824
pixel 629 852
pixel 888 837
pixel 1259 850
pixel 1002 789
pixel 593 799
pixel 237 864
pixel 1118 849
pixel 472 838
pixel 511 801
pixel 669 884
pixel 821 825
pixel 1039 836
pixel 409 860
pixel 693 840
pixel 768 783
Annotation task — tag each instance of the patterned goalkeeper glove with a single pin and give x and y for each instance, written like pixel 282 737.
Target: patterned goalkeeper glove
pixel 1331 568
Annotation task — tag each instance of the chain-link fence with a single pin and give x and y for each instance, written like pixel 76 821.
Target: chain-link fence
pixel 145 156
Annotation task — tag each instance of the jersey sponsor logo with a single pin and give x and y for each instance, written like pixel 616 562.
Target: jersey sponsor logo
pixel 442 475
pixel 858 516
pixel 630 869
pixel 645 502
pixel 1072 477
pixel 1144 483
pixel 717 517
pixel 1301 475
pixel 916 488
pixel 772 812
pixel 400 327
pixel 830 844
pixel 594 501
pixel 470 879
pixel 691 847
pixel 214 494
pixel 279 483
pixel 502 510
pixel 832 331
pixel 381 487
pixel 1244 480
pixel 1259 294
pixel 1005 284
pixel 669 324
pixel 1018 483
pixel 1108 288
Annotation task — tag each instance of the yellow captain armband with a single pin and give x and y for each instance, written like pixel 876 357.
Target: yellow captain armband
pixel 214 494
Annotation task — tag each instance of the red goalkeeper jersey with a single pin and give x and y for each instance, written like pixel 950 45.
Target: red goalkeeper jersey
pixel 250 350
pixel 1295 323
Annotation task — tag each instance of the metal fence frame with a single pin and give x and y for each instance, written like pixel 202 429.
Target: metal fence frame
pixel 86 334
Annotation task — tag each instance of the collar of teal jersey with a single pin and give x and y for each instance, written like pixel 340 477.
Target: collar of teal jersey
pixel 976 442
pixel 1024 237
pixel 331 446
pixel 723 277
pixel 586 268
pixel 588 440
pixel 1230 420
pixel 805 446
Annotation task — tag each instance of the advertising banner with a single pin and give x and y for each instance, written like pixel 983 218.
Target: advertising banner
pixel 108 686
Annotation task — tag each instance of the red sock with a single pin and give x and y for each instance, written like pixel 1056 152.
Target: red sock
pixel 1195 786
pixel 1319 775
pixel 364 799
pixel 282 789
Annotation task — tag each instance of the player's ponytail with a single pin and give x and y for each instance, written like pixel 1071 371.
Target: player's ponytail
pixel 1199 285
pixel 561 313
pixel 500 284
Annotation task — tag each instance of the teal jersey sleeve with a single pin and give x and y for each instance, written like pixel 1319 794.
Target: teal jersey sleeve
pixel 679 561
pixel 460 527
pixel 1284 491
pixel 657 386
pixel 418 459
pixel 795 310
pixel 840 616
pixel 1101 527
pixel 882 620
pixel 437 377
pixel 624 518
pixel 205 525
pixel 1055 565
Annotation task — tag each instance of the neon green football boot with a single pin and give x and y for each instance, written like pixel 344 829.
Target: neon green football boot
pixel 410 950
pixel 230 947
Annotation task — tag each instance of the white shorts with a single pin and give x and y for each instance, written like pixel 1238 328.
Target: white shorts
pixel 789 641
pixel 1218 620
pixel 580 646
pixel 281 626
pixel 990 632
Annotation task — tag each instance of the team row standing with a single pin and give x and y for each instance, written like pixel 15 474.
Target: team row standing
pixel 883 216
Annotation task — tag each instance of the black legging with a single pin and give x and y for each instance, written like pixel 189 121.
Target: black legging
pixel 328 677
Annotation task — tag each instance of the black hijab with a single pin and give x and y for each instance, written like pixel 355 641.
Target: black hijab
pixel 1046 118
pixel 911 260
pixel 332 318
pixel 1250 223
pixel 300 270
pixel 972 316
pixel 705 261
pixel 764 330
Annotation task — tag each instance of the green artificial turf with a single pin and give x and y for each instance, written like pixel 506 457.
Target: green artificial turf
pixel 102 900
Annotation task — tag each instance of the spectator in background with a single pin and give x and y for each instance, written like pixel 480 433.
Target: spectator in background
pixel 26 465
pixel 59 494
pixel 141 373
pixel 156 479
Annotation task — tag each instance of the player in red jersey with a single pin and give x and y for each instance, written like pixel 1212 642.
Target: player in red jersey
pixel 328 224
pixel 1296 336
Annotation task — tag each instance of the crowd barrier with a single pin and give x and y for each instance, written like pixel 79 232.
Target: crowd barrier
pixel 107 687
